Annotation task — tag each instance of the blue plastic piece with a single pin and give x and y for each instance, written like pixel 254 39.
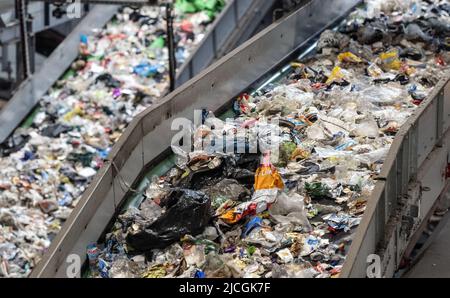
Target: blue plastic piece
pixel 145 69
pixel 84 39
pixel 255 222
pixel 103 268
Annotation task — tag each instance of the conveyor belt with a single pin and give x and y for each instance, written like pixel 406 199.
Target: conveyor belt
pixel 142 146
pixel 411 178
pixel 31 90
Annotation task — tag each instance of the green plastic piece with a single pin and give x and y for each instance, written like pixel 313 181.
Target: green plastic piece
pixel 29 120
pixel 158 43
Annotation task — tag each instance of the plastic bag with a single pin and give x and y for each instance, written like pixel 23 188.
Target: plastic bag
pixel 293 270
pixel 55 130
pixel 341 221
pixel 367 128
pixel 185 6
pixel 108 80
pixel 286 151
pixel 390 60
pixel 290 209
pixel 317 190
pixel 267 184
pixel 382 96
pixel 373 156
pixel 192 6
pixel 13 144
pixel 188 212
pixel 227 189
pixel 374 71
pixel 145 69
pixel 158 43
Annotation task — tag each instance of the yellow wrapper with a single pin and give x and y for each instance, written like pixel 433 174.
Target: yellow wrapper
pixel 349 57
pixel 391 60
pixel 267 177
pixel 336 75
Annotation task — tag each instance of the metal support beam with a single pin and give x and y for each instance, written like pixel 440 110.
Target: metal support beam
pixel 5 55
pixel 171 46
pixel 30 92
pixel 22 15
pixel 46 14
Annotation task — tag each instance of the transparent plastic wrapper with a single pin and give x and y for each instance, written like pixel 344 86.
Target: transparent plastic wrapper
pixel 367 128
pixel 195 255
pixel 13 144
pixel 227 189
pixel 349 57
pixel 290 208
pixel 215 267
pixel 269 139
pixel 293 93
pixel 383 96
pixel 341 221
pixel 124 268
pixel 182 156
pixel 373 157
pixel 390 60
pixel 293 271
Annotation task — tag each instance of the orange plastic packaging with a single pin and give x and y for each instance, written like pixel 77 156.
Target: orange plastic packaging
pixel 268 182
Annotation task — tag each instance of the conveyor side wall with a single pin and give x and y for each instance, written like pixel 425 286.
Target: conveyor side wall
pixel 237 19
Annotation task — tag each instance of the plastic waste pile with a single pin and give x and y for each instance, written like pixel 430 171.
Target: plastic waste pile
pixel 254 215
pixel 48 162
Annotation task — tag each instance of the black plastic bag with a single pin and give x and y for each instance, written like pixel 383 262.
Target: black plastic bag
pixel 72 175
pixel 55 130
pixel 13 144
pixel 108 80
pixel 241 167
pixel 187 212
